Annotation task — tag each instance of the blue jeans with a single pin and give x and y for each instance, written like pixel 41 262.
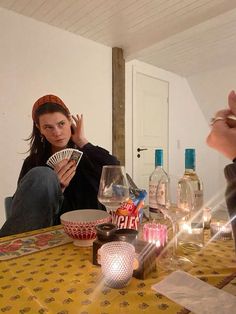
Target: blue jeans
pixel 36 203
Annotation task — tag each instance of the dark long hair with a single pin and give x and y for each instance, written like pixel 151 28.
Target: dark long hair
pixel 40 148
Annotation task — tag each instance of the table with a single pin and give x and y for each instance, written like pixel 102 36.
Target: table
pixel 43 272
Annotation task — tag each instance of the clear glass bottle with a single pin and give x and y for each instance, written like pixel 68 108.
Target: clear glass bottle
pixel 190 199
pixel 158 188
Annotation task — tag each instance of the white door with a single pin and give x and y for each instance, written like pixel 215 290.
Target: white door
pixel 150 125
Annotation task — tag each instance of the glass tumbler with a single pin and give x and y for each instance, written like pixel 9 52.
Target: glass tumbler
pixel 117 259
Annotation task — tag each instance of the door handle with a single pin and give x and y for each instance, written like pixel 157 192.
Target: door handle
pixel 141 149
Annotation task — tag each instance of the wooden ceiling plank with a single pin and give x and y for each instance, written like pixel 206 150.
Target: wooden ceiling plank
pixel 58 10
pixel 18 6
pixel 122 31
pixel 71 12
pixel 107 25
pixel 169 12
pixel 207 52
pixel 7 4
pixel 45 7
pixel 31 7
pixel 197 38
pixel 96 17
pixel 83 13
pixel 106 13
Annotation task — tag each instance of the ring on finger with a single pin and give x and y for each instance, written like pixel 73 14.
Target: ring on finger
pixel 213 120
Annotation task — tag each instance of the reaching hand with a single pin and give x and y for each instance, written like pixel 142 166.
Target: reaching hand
pixel 78 136
pixel 223 137
pixel 65 171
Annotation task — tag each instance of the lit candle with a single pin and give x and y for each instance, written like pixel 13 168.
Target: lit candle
pixel 185 227
pixel 221 230
pixel 117 260
pixel 190 235
pixel 155 233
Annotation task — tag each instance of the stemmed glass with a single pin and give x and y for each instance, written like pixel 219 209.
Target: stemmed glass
pixel 113 187
pixel 175 215
pixel 175 261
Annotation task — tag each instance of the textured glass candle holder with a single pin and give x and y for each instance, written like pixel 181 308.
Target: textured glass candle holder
pixel 117 259
pixel 221 230
pixel 220 225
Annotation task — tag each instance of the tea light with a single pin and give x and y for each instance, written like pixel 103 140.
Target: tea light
pixel 221 230
pixel 191 235
pixel 185 227
pixel 190 228
pixel 117 260
pixel 127 235
pixel 155 233
pixel 207 217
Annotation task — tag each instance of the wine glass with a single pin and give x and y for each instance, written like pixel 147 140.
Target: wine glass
pixel 176 215
pixel 113 187
pixel 175 261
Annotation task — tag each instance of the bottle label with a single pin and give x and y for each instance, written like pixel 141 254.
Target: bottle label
pixel 189 199
pixel 156 195
pixel 161 195
pixel 197 215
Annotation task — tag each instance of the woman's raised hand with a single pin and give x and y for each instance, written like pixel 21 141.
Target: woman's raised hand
pixel 78 136
pixel 222 137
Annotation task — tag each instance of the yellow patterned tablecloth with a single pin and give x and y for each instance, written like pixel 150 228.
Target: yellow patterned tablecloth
pixel 43 272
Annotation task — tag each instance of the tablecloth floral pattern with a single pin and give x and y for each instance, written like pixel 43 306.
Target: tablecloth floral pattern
pixel 43 272
pixel 30 244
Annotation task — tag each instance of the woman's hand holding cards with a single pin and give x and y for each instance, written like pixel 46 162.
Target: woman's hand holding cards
pixel 64 163
pixel 65 170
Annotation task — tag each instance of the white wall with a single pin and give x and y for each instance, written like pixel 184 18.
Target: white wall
pixel 37 59
pixel 188 128
pixel 212 87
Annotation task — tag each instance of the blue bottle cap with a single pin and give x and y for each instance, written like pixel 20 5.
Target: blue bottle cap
pixel 190 158
pixel 158 157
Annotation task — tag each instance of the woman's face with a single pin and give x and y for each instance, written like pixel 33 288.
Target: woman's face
pixel 56 128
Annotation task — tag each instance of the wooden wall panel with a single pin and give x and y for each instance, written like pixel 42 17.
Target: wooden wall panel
pixel 118 104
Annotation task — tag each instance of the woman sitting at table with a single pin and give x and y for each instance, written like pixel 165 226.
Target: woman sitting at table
pixel 223 138
pixel 43 194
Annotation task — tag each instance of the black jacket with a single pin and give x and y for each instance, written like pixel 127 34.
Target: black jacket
pixel 82 191
pixel 230 194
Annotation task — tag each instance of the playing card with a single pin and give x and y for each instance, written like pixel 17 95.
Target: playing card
pixel 68 153
pixel 76 155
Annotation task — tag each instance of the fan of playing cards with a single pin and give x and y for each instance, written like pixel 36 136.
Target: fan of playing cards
pixel 68 153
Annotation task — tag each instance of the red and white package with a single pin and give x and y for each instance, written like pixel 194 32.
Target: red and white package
pixel 129 214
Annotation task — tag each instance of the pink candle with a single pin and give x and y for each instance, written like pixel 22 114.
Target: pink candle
pixel 155 233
